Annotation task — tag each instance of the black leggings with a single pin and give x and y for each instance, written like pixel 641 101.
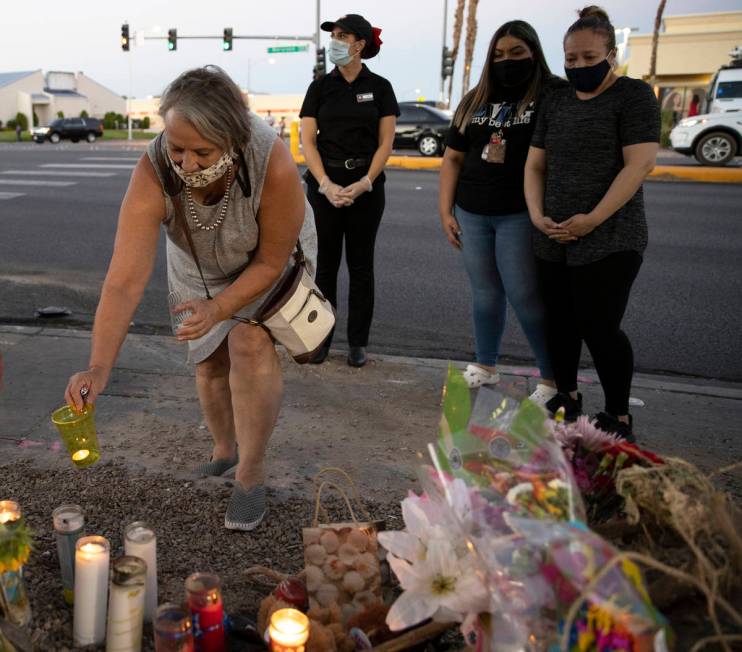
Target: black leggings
pixel 588 302
pixel 357 226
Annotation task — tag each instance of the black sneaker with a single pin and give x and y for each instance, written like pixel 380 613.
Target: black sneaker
pixel 572 407
pixel 610 424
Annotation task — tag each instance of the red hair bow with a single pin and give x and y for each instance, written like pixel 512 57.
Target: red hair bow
pixel 376 31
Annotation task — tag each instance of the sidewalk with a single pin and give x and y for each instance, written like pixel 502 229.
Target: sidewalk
pixel 373 422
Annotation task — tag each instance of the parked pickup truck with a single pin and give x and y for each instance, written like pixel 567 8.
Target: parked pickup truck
pixel 75 129
pixel 713 138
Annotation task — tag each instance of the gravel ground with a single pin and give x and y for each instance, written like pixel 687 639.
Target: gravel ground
pixel 188 517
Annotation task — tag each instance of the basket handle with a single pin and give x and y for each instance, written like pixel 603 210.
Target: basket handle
pixel 332 485
pixel 353 487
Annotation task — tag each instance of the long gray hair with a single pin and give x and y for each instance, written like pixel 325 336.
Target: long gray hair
pixel 209 100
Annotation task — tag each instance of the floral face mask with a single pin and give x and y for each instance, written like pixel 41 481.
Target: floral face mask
pixel 202 178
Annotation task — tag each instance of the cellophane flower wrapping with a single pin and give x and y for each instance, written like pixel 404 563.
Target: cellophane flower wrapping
pixel 497 540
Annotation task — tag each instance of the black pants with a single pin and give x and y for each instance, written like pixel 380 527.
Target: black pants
pixel 357 226
pixel 587 303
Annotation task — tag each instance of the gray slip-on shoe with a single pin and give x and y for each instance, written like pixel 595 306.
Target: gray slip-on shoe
pixel 216 467
pixel 246 508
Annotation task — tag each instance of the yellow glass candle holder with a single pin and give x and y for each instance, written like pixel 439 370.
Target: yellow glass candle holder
pixel 77 430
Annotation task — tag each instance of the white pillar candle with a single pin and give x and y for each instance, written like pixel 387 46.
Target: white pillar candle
pixel 92 555
pixel 126 608
pixel 288 631
pixel 140 541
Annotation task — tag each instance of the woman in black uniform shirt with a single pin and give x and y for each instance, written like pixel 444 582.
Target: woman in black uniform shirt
pixel 347 123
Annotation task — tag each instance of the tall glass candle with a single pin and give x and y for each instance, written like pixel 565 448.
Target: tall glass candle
pixel 126 606
pixel 140 541
pixel 288 631
pixel 13 596
pixel 204 596
pixel 173 629
pixel 68 524
pixel 92 555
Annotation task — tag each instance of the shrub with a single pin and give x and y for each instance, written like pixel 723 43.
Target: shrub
pixel 109 120
pixel 667 125
pixel 35 119
pixel 84 114
pixel 145 122
pixel 11 124
pixel 60 114
pixel 21 119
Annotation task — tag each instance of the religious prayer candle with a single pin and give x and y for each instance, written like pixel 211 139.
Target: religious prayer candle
pixel 204 595
pixel 13 596
pixel 173 629
pixel 68 524
pixel 140 541
pixel 92 555
pixel 288 631
pixel 126 606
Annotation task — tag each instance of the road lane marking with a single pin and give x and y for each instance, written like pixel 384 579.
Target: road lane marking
pixel 58 173
pixel 36 182
pixel 109 158
pixel 87 165
pixel 11 195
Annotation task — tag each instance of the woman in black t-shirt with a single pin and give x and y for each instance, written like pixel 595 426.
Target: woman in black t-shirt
pixel 482 206
pixel 595 142
pixel 347 124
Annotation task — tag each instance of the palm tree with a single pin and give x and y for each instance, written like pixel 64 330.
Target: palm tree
pixel 471 38
pixel 655 42
pixel 458 23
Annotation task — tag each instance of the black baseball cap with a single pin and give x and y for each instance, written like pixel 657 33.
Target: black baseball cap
pixel 358 25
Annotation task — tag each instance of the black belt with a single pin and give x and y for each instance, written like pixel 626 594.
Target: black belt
pixel 348 163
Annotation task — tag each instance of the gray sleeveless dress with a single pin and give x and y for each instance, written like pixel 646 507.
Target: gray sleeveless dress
pixel 226 251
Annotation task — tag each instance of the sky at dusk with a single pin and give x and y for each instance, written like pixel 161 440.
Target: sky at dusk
pixel 85 37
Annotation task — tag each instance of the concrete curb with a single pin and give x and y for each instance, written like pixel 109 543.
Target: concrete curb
pixel 660 173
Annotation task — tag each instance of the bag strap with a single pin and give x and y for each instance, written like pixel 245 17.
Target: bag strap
pixel 318 499
pixel 353 487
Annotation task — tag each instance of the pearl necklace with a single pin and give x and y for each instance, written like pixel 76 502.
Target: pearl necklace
pixel 222 209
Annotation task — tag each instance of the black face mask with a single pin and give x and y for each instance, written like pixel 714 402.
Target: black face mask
pixel 512 72
pixel 587 78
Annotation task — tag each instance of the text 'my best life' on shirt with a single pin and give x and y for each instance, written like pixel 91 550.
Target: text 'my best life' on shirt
pixel 348 114
pixel 496 188
pixel 583 141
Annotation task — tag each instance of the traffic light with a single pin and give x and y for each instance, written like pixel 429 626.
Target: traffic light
pixel 446 63
pixel 320 67
pixel 227 42
pixel 172 39
pixel 125 37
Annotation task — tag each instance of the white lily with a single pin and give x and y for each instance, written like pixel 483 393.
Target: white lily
pixel 439 583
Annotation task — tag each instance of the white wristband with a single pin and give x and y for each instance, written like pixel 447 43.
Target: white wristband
pixel 369 185
pixel 323 185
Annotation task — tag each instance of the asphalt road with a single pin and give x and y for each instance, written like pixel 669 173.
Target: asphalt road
pixel 56 240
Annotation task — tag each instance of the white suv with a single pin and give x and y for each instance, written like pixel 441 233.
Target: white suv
pixel 713 138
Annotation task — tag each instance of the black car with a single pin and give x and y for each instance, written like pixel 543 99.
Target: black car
pixel 422 127
pixel 75 129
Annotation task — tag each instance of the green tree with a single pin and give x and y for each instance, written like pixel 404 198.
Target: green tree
pixel 109 120
pixel 120 119
pixel 60 114
pixel 35 119
pixel 145 122
pixel 21 119
pixel 84 114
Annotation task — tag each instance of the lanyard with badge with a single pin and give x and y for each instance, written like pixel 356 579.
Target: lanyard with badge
pixel 494 150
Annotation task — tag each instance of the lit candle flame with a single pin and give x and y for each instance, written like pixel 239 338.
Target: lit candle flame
pixel 77 456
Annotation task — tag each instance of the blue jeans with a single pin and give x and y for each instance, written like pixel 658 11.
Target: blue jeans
pixel 499 260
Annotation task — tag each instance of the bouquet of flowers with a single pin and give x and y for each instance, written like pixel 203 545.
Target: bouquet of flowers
pixel 497 541
pixel 596 458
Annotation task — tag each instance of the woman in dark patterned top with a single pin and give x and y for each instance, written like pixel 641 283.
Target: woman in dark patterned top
pixel 595 142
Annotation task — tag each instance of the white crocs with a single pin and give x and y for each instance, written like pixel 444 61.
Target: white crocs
pixel 542 394
pixel 475 376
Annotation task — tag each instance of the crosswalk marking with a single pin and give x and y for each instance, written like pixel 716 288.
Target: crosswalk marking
pixel 108 158
pixel 36 182
pixel 87 165
pixel 58 173
pixel 10 195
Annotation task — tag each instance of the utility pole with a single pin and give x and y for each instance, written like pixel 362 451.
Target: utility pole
pixel 441 94
pixel 317 29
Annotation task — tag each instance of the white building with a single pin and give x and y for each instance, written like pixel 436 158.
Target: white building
pixel 31 91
